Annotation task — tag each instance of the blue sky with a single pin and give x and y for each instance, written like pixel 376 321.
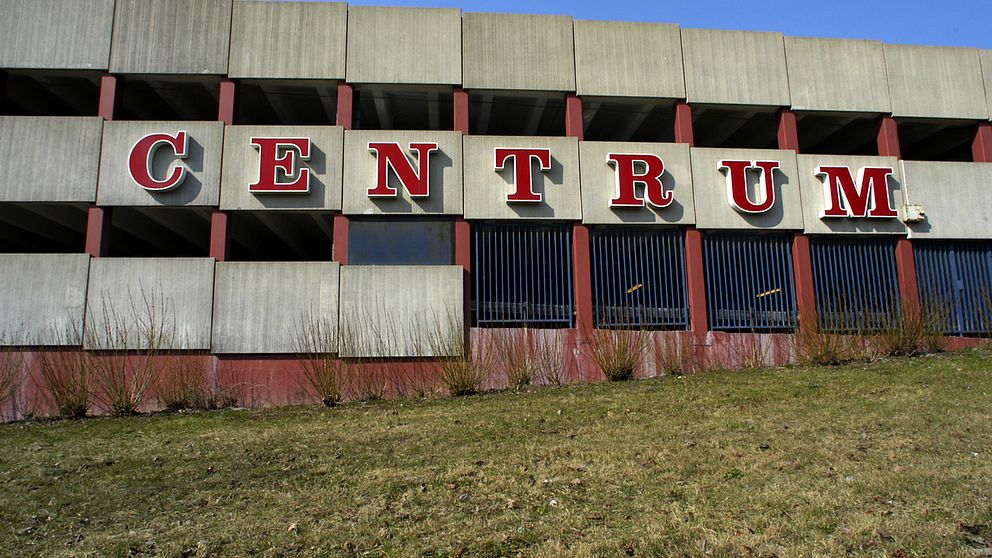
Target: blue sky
pixel 924 22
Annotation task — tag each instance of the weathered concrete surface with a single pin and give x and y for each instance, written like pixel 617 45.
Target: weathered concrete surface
pixel 713 210
pixel 265 307
pixel 202 184
pixel 514 51
pixel 396 311
pixel 42 297
pixel 288 40
pixel 814 199
pixel 624 59
pixel 735 67
pixel 171 37
pixel 486 189
pixel 404 45
pixel 241 162
pixel 837 75
pixel 126 296
pixel 599 184
pixel 445 174
pixel 56 34
pixel 49 159
pixel 935 82
pixel 955 196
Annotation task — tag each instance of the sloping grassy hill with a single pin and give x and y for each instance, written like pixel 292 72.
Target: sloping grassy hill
pixel 888 459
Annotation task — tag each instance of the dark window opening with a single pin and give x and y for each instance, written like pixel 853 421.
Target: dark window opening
pixel 382 108
pixel 259 236
pixel 522 275
pixel 638 278
pixel 42 228
pixel 935 140
pixel 517 114
pixel 168 98
pixel 613 120
pixel 837 133
pixel 393 241
pixel 745 128
pixel 50 93
pixel 750 285
pixel 288 103
pixel 955 281
pixel 159 232
pixel 856 282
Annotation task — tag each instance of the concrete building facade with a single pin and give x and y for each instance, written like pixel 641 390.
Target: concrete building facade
pixel 382 169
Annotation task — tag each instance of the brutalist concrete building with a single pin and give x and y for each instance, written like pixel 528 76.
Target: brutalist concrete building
pixel 378 169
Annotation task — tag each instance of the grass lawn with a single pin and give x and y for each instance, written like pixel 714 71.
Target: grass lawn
pixel 889 459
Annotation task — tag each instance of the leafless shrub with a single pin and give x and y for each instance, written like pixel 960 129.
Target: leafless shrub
pixel 462 370
pixel 747 350
pixel 935 315
pixel 184 383
pixel 618 353
pixel 672 356
pixel 515 353
pixel 813 347
pixel 549 352
pixel 11 374
pixel 131 343
pixel 66 375
pixel 417 377
pixel 316 347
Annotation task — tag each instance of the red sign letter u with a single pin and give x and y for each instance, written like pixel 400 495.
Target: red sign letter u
pixel 737 187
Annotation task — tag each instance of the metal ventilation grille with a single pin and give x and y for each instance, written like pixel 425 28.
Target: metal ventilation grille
pixel 955 279
pixel 749 282
pixel 638 278
pixel 857 286
pixel 522 275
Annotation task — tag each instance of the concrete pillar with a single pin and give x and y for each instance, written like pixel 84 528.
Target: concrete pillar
pixel 98 231
pixel 581 257
pixel 227 109
pixel 888 146
pixel 573 117
pixel 220 235
pixel 788 130
pixel 888 138
pixel 802 260
pixel 981 143
pixel 461 111
pixel 111 88
pixel 683 124
pixel 340 240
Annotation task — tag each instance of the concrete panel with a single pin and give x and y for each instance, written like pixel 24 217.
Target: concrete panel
pixel 709 183
pixel 814 200
pixel 404 45
pixel 512 51
pixel 42 297
pixel 615 58
pixel 261 307
pixel 241 162
pixel 486 188
pixel 171 37
pixel 128 295
pixel 735 67
pixel 288 40
pixel 599 185
pixel 49 159
pixel 955 197
pixel 445 174
pixel 837 75
pixel 986 58
pixel 202 184
pixel 56 34
pixel 394 311
pixel 935 82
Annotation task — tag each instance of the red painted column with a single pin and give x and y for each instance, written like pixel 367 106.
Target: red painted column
pixel 346 95
pixel 695 274
pixel 340 240
pixel 573 117
pixel 683 124
pixel 788 130
pixel 98 231
pixel 227 108
pixel 906 270
pixel 802 260
pixel 220 235
pixel 110 96
pixel 888 137
pixel 981 143
pixel 461 111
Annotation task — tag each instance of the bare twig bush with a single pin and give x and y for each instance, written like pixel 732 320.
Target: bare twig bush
pixel 936 315
pixel 11 375
pixel 671 356
pixel 516 356
pixel 66 376
pixel 316 347
pixel 747 350
pixel 549 357
pixel 813 347
pixel 462 370
pixel 618 353
pixel 185 383
pixel 132 342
